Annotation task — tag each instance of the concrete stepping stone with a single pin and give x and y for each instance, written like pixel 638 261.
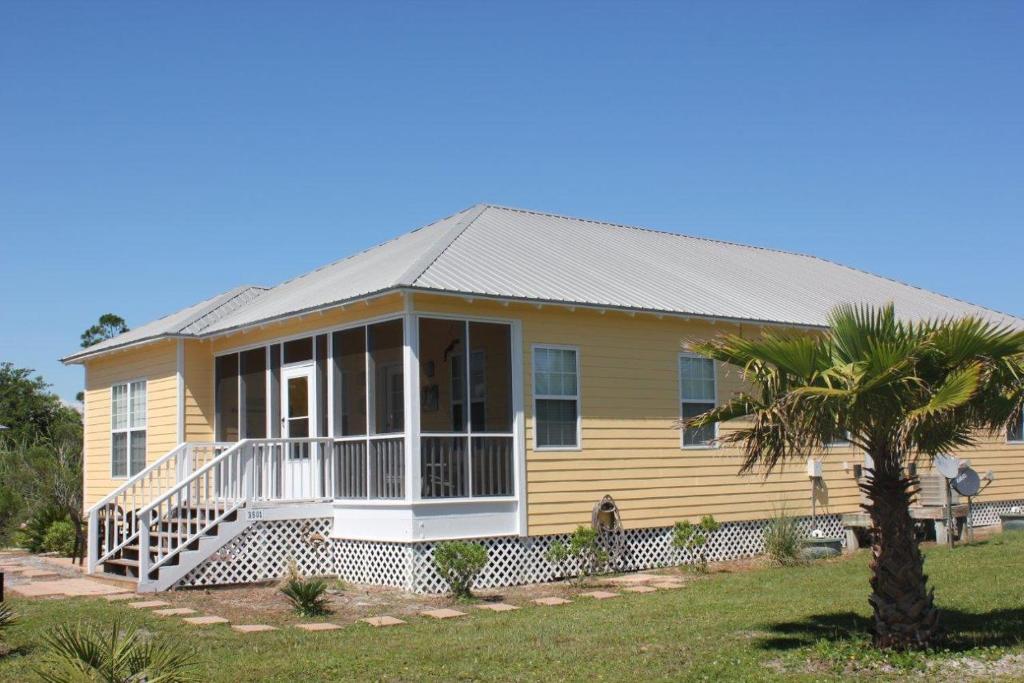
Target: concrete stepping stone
pixel 36 590
pixel 667 585
pixel 318 627
pixel 601 595
pixel 148 604
pixel 117 597
pixel 443 613
pixel 37 573
pixel 633 579
pixel 640 589
pixel 174 612
pixel 205 621
pixel 551 602
pixel 378 622
pixel 252 628
pixel 498 607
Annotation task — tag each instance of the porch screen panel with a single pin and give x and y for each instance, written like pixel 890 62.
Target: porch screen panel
pixel 442 375
pixel 321 384
pixel 253 390
pixel 349 368
pixel 490 378
pixel 226 400
pixel 275 391
pixel 386 398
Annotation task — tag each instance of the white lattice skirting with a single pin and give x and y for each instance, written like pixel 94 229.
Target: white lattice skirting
pixel 264 550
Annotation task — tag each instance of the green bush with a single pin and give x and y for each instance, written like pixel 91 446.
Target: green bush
pixel 694 537
pixel 121 654
pixel 6 616
pixel 783 540
pixel 458 563
pixel 307 596
pixel 32 534
pixel 60 538
pixel 584 552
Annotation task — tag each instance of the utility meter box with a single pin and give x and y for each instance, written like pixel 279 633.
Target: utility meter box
pixel 813 468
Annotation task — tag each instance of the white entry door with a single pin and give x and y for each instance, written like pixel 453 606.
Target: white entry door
pixel 298 422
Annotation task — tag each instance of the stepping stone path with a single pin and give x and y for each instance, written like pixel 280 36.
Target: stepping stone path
pixel 443 613
pixel 174 612
pixel 318 627
pixel 253 628
pixel 116 597
pixel 498 607
pixel 601 595
pixel 205 621
pixel 148 604
pixel 551 602
pixel 640 589
pixel 36 573
pixel 634 579
pixel 382 621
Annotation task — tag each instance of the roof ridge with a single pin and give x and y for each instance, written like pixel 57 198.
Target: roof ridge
pixel 225 298
pixel 366 250
pixel 752 246
pixel 422 264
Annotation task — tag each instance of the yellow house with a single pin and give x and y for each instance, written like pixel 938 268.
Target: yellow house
pixel 489 376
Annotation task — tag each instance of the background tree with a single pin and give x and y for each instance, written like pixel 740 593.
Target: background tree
pixel 40 452
pixel 899 391
pixel 109 325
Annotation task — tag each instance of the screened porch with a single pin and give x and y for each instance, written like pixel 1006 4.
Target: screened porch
pixel 404 409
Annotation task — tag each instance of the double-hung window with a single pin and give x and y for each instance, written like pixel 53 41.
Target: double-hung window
pixel 1015 433
pixel 127 428
pixel 556 397
pixel 697 396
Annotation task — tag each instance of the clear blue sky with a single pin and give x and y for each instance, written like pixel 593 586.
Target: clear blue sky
pixel 153 154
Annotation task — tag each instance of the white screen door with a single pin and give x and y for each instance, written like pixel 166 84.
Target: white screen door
pixel 298 421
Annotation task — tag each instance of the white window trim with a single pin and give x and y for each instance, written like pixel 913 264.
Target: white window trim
pixel 537 397
pixel 679 378
pixel 1016 441
pixel 128 428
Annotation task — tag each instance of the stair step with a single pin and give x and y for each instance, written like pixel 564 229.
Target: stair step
pixel 122 562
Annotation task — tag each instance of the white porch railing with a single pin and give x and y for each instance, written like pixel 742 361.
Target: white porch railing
pixel 113 522
pixel 252 470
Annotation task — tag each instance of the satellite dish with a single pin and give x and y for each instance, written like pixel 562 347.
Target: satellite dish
pixel 967 482
pixel 948 466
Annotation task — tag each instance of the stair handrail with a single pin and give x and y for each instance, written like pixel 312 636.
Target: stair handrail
pixel 142 481
pixel 218 507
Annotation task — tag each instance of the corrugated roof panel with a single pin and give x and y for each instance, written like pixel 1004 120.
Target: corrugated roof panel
pixel 523 254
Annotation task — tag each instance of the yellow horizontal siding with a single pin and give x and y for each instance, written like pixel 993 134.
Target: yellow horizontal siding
pixel 157 364
pixel 630 448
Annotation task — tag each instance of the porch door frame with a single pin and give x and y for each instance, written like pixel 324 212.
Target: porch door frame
pixel 298 465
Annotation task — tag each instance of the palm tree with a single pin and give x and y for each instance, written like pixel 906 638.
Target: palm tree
pixel 901 392
pixel 120 655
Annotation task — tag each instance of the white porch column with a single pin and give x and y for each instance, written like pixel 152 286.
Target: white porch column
pixel 411 388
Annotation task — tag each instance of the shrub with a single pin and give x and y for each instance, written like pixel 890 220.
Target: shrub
pixel 60 538
pixel 30 536
pixel 458 563
pixel 583 551
pixel 121 654
pixel 694 538
pixel 783 540
pixel 307 596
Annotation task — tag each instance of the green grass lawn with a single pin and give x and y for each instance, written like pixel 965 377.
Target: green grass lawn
pixel 803 623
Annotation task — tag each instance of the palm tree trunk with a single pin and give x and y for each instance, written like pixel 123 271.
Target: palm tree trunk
pixel 905 613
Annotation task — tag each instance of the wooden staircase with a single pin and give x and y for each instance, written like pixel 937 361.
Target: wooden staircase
pixel 169 533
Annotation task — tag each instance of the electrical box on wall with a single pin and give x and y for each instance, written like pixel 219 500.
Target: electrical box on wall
pixel 813 468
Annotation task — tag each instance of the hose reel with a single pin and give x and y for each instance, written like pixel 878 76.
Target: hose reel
pixel 606 521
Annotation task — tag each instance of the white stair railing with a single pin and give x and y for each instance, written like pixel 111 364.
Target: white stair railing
pixel 114 522
pixel 252 470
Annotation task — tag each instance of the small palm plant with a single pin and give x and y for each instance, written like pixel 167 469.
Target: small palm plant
pixel 307 596
pixel 901 392
pixel 6 616
pixel 120 655
pixel 694 537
